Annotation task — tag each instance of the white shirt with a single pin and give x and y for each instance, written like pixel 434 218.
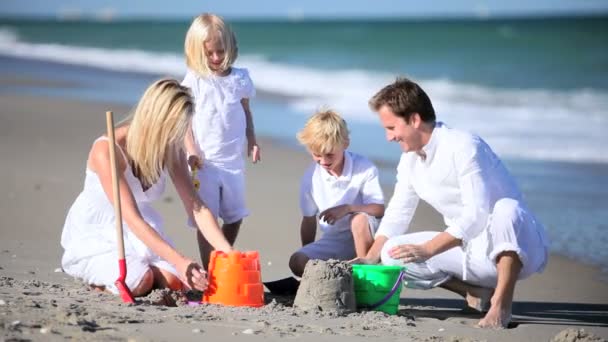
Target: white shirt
pixel 460 177
pixel 219 123
pixel 358 185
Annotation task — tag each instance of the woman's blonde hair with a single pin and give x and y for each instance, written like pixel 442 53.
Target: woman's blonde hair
pixel 157 129
pixel 323 132
pixel 204 28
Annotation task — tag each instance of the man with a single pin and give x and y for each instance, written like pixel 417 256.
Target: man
pixel 492 239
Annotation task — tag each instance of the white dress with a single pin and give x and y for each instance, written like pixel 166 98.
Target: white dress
pixel 89 234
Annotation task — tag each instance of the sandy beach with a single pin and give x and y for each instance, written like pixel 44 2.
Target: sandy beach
pixel 43 147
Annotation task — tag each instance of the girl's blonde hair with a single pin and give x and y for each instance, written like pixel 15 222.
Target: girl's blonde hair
pixel 157 129
pixel 323 132
pixel 204 28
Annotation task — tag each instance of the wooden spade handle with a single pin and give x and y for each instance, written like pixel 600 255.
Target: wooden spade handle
pixel 116 190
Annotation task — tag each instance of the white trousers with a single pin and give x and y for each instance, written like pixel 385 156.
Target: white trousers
pixel 511 227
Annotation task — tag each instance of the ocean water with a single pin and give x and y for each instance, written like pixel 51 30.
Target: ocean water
pixel 535 89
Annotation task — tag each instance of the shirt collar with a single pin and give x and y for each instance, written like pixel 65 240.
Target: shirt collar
pixel 347 170
pixel 431 146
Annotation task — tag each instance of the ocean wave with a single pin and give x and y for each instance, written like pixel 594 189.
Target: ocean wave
pixel 537 124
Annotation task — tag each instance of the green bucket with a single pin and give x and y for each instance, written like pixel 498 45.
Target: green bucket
pixel 378 287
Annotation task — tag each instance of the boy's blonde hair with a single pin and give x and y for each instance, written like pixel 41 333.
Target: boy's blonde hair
pixel 157 129
pixel 323 132
pixel 204 28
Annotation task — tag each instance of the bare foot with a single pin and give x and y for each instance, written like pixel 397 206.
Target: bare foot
pixel 496 318
pixel 97 288
pixel 478 298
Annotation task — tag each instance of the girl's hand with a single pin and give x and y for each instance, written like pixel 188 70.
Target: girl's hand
pixel 254 153
pixel 192 275
pixel 410 253
pixel 195 161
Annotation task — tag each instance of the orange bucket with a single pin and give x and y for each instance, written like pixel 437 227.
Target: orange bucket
pixel 235 279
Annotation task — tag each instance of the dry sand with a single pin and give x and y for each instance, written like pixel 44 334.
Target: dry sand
pixel 43 147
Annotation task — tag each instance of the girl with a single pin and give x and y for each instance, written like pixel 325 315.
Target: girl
pixel 222 121
pixel 149 142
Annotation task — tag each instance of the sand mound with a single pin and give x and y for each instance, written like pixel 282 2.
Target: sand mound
pixel 326 286
pixel 574 335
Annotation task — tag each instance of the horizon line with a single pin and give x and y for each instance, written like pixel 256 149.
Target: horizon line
pixel 92 17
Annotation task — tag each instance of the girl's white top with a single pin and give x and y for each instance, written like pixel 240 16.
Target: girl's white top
pixel 219 121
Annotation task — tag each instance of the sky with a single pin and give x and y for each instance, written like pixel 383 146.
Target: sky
pixel 296 9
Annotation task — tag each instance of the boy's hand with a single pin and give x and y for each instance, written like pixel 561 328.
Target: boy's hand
pixel 361 261
pixel 195 161
pixel 254 152
pixel 332 215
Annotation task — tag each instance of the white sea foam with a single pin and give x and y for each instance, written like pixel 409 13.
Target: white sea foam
pixel 537 124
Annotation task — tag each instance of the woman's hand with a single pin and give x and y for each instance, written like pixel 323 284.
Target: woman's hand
pixel 410 253
pixel 192 275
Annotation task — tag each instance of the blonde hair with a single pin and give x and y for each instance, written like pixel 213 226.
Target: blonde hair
pixel 323 132
pixel 157 128
pixel 204 28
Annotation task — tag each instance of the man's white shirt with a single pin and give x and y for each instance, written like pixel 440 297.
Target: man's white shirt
pixel 460 177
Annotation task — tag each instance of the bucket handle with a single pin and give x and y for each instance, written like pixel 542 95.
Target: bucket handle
pixel 388 296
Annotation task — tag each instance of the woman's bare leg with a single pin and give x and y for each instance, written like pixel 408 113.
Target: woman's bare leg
pixel 166 280
pixel 145 285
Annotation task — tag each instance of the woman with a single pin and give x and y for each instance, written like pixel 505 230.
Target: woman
pixel 150 147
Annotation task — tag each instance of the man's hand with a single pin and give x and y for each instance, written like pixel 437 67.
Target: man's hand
pixel 332 215
pixel 410 253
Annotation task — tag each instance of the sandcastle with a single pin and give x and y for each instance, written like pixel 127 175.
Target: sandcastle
pixel 327 286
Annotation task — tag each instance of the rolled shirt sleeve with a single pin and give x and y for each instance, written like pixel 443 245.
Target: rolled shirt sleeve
pixel 402 205
pixel 371 191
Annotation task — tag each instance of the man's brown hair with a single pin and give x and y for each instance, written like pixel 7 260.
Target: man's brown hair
pixel 404 97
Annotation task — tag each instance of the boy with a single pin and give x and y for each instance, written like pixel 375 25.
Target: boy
pixel 342 188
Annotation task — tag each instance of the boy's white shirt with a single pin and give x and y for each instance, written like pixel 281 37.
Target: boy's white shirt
pixel 219 122
pixel 358 185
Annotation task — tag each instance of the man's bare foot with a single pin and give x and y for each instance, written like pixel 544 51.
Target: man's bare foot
pixel 496 318
pixel 479 298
